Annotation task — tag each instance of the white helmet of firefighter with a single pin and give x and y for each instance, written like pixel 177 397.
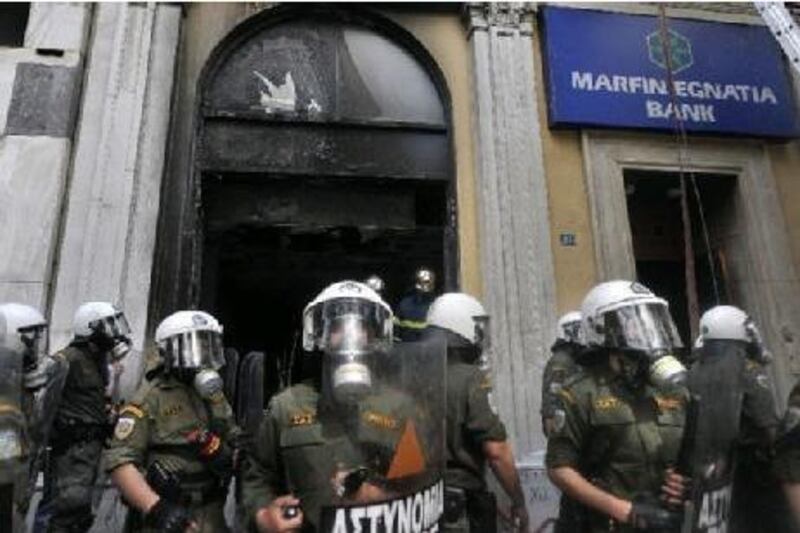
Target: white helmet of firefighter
pixel 627 316
pixel 375 283
pixel 24 332
pixel 569 327
pixel 726 322
pixel 463 315
pixel 191 340
pixel 425 280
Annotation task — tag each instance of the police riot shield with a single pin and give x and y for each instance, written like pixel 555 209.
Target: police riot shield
pixel 717 378
pixel 250 392
pixel 46 401
pixel 14 444
pixel 381 430
pixel 230 375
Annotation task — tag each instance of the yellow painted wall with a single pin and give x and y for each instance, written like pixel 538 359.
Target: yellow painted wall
pixel 785 162
pixel 444 36
pixel 568 204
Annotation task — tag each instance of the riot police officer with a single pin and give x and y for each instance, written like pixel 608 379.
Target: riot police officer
pixel 624 415
pixel 475 434
pixel 736 408
pixel 412 309
pixel 338 438
pixel 561 365
pixel 179 430
pixel 82 417
pixel 786 465
pixel 23 343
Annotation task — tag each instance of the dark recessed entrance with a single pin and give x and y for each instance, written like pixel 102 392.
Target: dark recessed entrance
pixel 323 153
pixel 654 210
pixel 272 245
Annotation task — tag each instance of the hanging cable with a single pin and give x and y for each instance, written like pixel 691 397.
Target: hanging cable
pixel 682 143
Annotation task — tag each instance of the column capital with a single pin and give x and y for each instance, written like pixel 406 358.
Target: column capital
pixel 508 17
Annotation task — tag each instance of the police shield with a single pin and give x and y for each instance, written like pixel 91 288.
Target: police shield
pixel 717 378
pixel 14 446
pixel 384 464
pixel 250 391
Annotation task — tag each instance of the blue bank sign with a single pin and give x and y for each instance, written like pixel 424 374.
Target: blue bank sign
pixel 610 70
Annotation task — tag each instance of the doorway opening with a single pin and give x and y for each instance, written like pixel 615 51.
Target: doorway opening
pixel 657 233
pixel 272 244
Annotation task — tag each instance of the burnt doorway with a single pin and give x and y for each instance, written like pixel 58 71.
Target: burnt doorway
pixel 323 153
pixel 271 246
pixel 654 211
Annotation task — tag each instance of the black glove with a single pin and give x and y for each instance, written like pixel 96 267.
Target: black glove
pixel 168 517
pixel 649 514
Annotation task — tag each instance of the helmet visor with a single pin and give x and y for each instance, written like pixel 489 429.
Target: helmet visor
pixel 572 332
pixel 194 349
pixel 647 327
pixel 113 327
pixel 34 338
pixel 349 326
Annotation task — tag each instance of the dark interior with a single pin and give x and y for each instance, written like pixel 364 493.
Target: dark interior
pixel 271 245
pixel 13 22
pixel 654 210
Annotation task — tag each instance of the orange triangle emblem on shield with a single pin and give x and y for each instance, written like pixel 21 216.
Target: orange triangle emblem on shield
pixel 408 459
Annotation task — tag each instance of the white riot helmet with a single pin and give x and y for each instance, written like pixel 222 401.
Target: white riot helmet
pixel 104 324
pixel 627 316
pixel 23 331
pixel 191 340
pixel 462 315
pixel 348 322
pixel 726 322
pixel 569 328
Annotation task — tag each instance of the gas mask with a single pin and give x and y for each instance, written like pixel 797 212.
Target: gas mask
pixel 112 335
pixel 207 383
pixel 646 330
pixel 348 359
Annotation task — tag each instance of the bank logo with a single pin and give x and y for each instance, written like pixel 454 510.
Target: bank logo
pixel 680 50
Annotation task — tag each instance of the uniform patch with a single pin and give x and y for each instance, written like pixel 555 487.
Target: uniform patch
pixel 606 403
pixel 302 419
pixel 172 410
pixel 133 410
pixel 668 404
pixel 486 383
pixel 124 427
pixel 380 420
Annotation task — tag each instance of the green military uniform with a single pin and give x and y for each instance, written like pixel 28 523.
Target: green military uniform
pixel 787 458
pixel 559 368
pixel 471 420
pixel 302 447
pixel 155 427
pixel 79 430
pixel 621 440
pixel 757 501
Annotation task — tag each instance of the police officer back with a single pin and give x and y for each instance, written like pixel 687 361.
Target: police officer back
pixel 82 418
pixel 736 407
pixel 475 434
pixel 173 449
pixel 624 415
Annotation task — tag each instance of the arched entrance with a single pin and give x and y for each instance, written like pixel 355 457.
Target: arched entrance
pixel 322 152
